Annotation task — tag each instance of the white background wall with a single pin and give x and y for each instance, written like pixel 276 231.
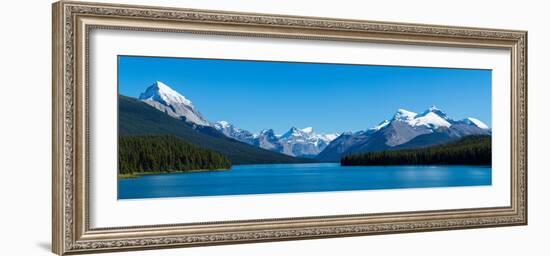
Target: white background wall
pixel 25 148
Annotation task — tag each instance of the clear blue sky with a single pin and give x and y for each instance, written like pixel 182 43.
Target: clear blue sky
pixel 256 95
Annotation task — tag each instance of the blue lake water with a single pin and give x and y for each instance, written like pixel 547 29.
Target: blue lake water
pixel 291 178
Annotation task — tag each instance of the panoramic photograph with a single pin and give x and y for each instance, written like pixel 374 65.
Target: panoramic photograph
pixel 213 127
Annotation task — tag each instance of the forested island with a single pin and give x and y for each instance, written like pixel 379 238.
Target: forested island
pixel 471 150
pixel 150 154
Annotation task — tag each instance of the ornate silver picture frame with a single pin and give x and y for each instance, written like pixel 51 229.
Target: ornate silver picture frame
pixel 72 24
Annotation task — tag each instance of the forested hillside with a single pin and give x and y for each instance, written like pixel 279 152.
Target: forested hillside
pixel 471 150
pixel 142 154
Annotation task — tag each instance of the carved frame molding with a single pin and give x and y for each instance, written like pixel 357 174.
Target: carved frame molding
pixel 72 22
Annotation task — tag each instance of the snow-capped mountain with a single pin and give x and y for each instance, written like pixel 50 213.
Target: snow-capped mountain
pixel 307 135
pixel 406 129
pixel 267 139
pixel 295 142
pixel 379 126
pixel 166 99
pixel 232 132
pixel 476 122
pixel 304 142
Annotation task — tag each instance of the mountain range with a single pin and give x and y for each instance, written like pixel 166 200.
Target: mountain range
pixel 136 118
pixel 404 130
pixel 296 142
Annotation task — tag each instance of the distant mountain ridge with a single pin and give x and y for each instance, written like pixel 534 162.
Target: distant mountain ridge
pixel 405 130
pixel 233 132
pixel 295 142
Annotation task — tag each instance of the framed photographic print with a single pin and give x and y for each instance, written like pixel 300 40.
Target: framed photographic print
pixel 179 127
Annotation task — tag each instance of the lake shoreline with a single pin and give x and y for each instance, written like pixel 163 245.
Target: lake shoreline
pixel 139 174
